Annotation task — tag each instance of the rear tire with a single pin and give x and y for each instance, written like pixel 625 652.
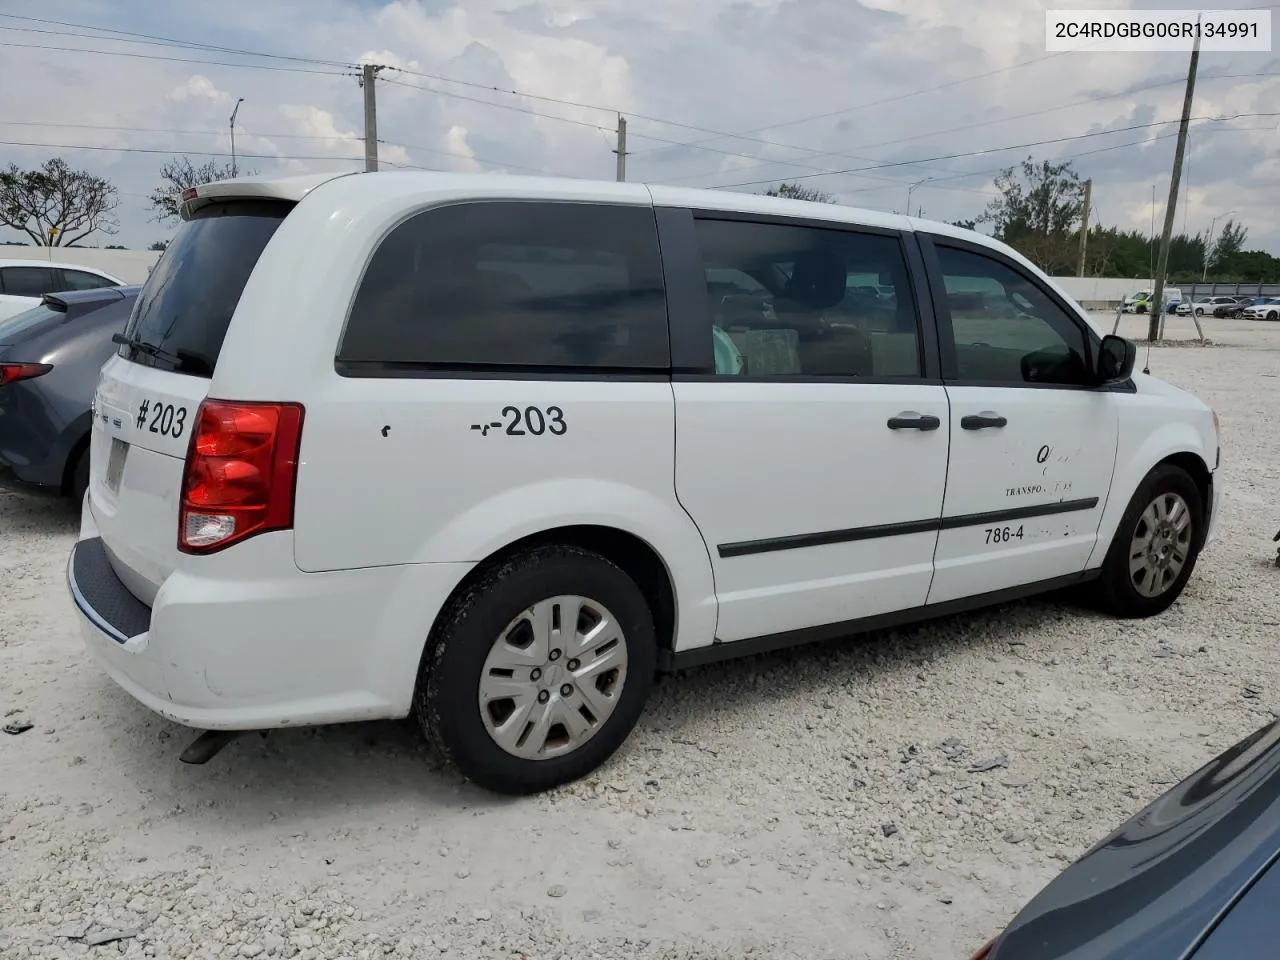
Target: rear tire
pixel 501 690
pixel 1153 555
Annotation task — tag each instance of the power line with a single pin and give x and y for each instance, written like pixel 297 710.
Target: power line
pixel 355 141
pixel 933 89
pixel 115 129
pixel 978 153
pixel 153 56
pixel 884 100
pixel 593 126
pixel 154 39
pixel 815 154
pixel 194 153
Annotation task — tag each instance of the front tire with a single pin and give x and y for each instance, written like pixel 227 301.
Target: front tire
pixel 536 674
pixel 1155 547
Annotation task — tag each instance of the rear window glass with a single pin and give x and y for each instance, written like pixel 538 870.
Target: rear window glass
pixel 185 307
pixel 12 327
pixel 513 284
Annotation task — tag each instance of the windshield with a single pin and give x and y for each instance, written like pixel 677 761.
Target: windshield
pixel 186 305
pixel 12 327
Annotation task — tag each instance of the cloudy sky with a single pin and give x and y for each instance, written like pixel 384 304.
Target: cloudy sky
pixel 718 93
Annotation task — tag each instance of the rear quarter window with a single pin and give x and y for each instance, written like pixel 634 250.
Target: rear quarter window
pixel 512 284
pixel 186 305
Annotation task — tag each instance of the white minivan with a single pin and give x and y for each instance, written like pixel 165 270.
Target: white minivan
pixel 493 451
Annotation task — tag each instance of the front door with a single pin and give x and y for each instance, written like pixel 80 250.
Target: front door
pixel 1033 445
pixel 811 451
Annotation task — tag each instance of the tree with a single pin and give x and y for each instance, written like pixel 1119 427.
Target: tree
pixel 180 174
pixel 159 245
pixel 798 191
pixel 1038 212
pixel 1230 242
pixel 56 206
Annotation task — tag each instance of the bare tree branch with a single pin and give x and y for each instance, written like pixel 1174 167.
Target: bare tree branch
pixel 180 174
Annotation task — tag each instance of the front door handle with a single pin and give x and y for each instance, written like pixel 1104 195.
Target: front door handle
pixel 910 420
pixel 981 421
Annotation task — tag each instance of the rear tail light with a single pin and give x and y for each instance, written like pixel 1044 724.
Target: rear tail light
pixel 240 473
pixel 985 950
pixel 13 372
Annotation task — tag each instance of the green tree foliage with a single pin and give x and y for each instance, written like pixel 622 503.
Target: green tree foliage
pixel 1229 243
pixel 56 206
pixel 798 191
pixel 1038 212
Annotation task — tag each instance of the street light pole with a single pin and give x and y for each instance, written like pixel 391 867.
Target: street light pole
pixel 911 189
pixel 233 135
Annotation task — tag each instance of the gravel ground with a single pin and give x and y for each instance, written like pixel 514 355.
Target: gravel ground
pixel 894 797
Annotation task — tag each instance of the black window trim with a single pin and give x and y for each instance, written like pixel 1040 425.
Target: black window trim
pixel 689 312
pixel 946 338
pixel 414 370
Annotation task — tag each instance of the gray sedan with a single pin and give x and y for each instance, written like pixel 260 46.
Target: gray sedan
pixel 50 356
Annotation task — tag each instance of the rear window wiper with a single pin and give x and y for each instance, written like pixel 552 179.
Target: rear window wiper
pixel 182 361
pixel 150 349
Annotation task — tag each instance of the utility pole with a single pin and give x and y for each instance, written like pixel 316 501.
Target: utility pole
pixel 622 148
pixel 368 73
pixel 233 136
pixel 1155 316
pixel 1084 224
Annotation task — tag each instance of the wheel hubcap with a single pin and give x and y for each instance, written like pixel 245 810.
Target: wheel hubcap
pixel 1161 545
pixel 553 677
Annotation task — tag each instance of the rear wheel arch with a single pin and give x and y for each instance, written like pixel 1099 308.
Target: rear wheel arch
pixel 634 555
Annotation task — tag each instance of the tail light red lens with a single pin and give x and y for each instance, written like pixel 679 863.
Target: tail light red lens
pixel 13 372
pixel 240 474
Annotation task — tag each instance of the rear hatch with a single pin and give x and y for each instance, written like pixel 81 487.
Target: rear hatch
pixel 149 392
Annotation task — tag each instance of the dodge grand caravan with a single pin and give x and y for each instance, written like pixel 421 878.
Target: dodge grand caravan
pixel 493 451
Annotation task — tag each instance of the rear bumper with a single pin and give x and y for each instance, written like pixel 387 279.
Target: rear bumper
pixel 249 642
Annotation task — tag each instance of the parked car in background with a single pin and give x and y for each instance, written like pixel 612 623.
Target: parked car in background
pixel 1194 876
pixel 1172 299
pixel 1266 309
pixel 1137 302
pixel 24 282
pixel 49 361
pixel 1234 308
pixel 1206 305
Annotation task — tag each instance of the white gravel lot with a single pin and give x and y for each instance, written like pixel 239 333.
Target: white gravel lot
pixel 818 803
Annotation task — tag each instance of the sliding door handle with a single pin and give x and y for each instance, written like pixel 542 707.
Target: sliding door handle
pixel 981 421
pixel 911 420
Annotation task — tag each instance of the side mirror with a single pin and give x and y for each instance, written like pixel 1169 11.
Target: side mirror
pixel 1116 359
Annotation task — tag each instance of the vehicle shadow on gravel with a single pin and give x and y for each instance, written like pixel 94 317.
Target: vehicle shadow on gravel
pixel 822 667
pixel 35 514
